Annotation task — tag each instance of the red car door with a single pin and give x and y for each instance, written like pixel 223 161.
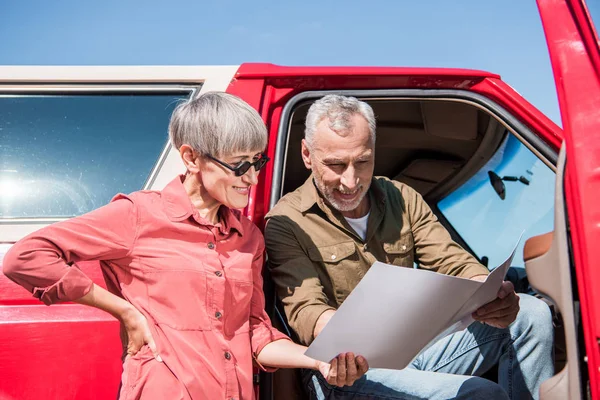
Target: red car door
pixel 575 57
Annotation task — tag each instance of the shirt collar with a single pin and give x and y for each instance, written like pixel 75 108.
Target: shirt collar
pixel 309 194
pixel 377 191
pixel 178 207
pixel 230 219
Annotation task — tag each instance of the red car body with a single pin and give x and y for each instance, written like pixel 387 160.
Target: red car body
pixel 72 352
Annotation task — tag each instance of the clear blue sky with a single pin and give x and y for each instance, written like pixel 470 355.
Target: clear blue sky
pixel 505 36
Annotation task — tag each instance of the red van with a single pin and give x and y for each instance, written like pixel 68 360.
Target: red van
pixel 488 163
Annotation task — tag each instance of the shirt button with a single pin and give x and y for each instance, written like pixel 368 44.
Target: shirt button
pixel 227 355
pixel 211 245
pixel 218 273
pixel 333 256
pixel 218 315
pixel 403 247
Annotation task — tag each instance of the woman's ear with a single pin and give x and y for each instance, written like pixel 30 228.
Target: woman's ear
pixel 189 158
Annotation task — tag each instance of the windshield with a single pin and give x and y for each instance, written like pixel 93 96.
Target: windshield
pixel 491 225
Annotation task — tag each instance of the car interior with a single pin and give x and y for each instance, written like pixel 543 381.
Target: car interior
pixel 435 146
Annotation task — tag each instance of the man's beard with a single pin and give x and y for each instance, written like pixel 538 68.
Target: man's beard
pixel 327 193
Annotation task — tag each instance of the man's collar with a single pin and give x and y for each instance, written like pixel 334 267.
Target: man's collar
pixel 308 194
pixel 377 191
pixel 178 207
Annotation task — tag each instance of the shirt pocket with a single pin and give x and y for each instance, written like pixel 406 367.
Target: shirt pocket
pixel 341 265
pixel 239 290
pixel 400 252
pixel 177 298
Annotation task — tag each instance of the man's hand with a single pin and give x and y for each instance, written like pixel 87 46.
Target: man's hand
pixel 344 370
pixel 500 313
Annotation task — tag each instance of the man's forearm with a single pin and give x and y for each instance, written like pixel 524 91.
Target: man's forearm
pixel 322 321
pixel 480 278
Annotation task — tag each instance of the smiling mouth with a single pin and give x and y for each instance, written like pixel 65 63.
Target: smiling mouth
pixel 242 190
pixel 348 195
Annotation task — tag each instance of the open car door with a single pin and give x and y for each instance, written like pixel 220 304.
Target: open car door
pixel 575 57
pixel 438 128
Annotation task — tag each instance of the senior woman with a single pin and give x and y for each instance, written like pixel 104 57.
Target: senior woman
pixel 182 266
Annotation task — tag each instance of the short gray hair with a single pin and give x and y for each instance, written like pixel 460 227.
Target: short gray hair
pixel 216 124
pixel 338 110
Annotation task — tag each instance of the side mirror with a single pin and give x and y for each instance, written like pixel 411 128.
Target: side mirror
pixel 497 184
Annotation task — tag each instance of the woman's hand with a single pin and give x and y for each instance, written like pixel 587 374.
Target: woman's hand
pixel 344 370
pixel 138 332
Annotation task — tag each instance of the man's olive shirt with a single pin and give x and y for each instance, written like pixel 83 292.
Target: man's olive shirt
pixel 316 258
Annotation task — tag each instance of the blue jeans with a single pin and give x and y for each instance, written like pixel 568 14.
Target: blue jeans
pixel 450 369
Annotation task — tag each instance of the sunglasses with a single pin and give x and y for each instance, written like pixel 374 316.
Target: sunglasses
pixel 243 167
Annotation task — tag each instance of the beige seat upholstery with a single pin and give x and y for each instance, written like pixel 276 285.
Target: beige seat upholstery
pixel 424 174
pixel 548 269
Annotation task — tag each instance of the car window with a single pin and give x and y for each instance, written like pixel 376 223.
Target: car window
pixel 65 155
pixel 490 224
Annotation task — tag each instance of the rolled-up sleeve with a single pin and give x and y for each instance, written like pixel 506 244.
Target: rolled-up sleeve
pixel 262 331
pixel 296 279
pixel 434 248
pixel 45 262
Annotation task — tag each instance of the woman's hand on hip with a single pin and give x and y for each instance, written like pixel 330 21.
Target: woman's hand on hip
pixel 136 325
pixel 138 333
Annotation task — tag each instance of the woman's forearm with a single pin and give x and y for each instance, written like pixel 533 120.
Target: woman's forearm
pixel 135 323
pixel 102 299
pixel 286 354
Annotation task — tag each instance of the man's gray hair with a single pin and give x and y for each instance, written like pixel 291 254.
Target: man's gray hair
pixel 217 124
pixel 338 110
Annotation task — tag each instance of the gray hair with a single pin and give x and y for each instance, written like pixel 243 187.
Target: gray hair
pixel 338 110
pixel 216 124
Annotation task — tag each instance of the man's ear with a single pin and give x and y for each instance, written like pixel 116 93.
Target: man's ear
pixel 189 158
pixel 306 155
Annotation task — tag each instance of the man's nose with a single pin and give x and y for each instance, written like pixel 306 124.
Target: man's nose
pixel 349 178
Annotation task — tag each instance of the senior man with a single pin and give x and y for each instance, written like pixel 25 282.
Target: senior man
pixel 322 238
